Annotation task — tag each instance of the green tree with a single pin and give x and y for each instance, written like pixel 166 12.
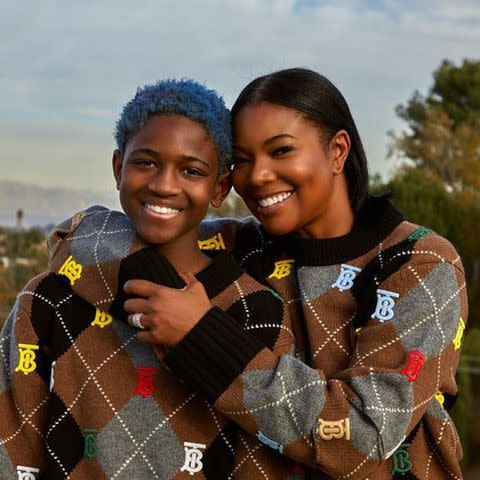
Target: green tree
pixel 443 134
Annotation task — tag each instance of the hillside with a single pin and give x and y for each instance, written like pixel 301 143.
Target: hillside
pixel 43 206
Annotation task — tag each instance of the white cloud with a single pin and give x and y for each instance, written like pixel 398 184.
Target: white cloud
pixel 69 66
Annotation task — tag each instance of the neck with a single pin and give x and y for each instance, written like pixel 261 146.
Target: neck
pixel 336 219
pixel 185 258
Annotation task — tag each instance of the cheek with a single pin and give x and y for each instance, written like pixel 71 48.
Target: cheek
pixel 238 179
pixel 310 171
pixel 129 180
pixel 301 174
pixel 200 195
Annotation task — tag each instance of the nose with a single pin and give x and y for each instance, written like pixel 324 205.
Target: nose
pixel 262 172
pixel 164 182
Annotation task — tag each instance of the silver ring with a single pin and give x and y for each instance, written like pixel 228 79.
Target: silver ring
pixel 136 321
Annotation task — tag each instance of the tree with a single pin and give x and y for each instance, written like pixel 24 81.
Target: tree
pixel 443 136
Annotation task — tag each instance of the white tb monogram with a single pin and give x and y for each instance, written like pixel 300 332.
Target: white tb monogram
pixel 385 304
pixel 193 457
pixel 346 277
pixel 26 473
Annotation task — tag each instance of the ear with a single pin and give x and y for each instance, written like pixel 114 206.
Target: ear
pixel 117 166
pixel 339 147
pixel 222 189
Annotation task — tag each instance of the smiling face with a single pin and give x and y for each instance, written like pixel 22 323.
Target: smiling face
pixel 289 178
pixel 167 177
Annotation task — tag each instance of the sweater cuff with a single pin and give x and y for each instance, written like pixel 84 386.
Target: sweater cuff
pixel 145 264
pixel 213 354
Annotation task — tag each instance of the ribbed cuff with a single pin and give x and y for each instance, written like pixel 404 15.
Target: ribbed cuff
pixel 213 354
pixel 149 264
pixel 145 264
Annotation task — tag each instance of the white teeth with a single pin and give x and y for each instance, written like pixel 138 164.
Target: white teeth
pixel 163 210
pixel 269 201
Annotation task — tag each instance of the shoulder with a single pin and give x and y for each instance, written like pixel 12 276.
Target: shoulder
pixel 91 220
pixel 420 245
pixel 94 235
pixel 412 258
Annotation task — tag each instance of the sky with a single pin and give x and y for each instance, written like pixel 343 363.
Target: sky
pixel 68 67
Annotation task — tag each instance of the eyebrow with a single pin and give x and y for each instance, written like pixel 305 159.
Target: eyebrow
pixel 276 137
pixel 154 154
pixel 268 141
pixel 191 158
pixel 148 151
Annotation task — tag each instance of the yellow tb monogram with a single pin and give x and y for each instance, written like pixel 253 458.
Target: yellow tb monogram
pixel 214 243
pixel 457 341
pixel 26 362
pixel 440 397
pixel 102 319
pixel 71 269
pixel 283 268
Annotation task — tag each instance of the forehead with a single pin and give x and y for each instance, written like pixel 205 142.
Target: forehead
pixel 170 133
pixel 267 119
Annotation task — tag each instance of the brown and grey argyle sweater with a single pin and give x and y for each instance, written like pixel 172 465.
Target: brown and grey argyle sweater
pixel 378 317
pixel 81 398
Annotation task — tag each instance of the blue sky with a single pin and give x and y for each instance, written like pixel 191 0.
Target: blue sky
pixel 67 67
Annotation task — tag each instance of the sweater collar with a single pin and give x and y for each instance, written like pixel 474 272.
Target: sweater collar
pixel 374 221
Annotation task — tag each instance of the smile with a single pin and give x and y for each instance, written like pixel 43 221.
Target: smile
pixel 165 211
pixel 274 199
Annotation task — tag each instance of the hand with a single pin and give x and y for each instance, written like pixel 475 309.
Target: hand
pixel 168 314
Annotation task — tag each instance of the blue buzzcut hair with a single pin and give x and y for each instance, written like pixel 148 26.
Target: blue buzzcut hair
pixel 186 98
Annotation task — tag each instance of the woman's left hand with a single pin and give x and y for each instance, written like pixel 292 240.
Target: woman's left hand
pixel 168 314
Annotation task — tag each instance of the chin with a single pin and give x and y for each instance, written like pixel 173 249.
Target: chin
pixel 152 238
pixel 277 229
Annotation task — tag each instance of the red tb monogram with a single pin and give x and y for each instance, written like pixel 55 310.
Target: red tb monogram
pixel 414 365
pixel 145 378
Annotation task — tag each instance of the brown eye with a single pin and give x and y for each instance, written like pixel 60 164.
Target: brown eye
pixel 282 150
pixel 193 171
pixel 239 161
pixel 143 162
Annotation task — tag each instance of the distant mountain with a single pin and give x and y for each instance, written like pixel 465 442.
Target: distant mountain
pixel 42 206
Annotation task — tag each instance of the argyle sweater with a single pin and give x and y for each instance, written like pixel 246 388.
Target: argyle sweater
pixel 81 398
pixel 361 374
pixel 365 393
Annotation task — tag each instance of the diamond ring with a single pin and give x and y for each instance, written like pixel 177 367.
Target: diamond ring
pixel 136 321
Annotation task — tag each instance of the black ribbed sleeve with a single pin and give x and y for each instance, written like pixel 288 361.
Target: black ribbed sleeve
pixel 213 354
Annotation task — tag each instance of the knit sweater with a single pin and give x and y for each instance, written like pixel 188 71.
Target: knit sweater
pixel 365 390
pixel 81 398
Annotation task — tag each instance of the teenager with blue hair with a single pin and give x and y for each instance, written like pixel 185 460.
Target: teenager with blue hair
pixel 81 396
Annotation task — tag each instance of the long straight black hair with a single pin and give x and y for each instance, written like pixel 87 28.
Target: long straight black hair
pixel 320 102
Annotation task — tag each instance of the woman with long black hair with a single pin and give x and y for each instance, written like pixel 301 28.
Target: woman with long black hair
pixel 365 389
